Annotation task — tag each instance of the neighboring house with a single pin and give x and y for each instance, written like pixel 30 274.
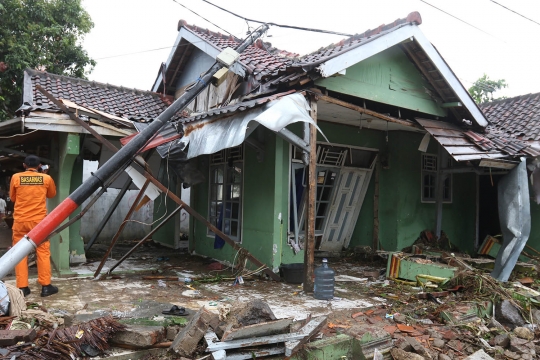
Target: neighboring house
pixel 518 117
pixel 377 98
pixel 43 129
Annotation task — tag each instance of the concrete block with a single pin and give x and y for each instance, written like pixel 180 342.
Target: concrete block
pixel 172 331
pixel 140 336
pixel 185 343
pixel 419 348
pixel 403 267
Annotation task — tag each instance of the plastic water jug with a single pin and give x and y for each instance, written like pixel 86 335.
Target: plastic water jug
pixel 324 282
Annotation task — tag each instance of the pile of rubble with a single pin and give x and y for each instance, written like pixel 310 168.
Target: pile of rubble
pixel 244 331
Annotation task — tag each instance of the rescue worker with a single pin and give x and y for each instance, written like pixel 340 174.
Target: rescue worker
pixel 29 190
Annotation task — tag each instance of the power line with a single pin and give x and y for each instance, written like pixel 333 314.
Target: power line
pixel 455 17
pixel 278 25
pixel 515 12
pixel 202 17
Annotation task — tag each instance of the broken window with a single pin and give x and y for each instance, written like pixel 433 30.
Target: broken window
pixel 429 177
pixel 225 195
pixel 332 161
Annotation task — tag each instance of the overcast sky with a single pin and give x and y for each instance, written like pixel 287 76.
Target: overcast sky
pixel 500 43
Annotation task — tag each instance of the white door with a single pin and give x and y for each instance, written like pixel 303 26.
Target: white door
pixel 348 198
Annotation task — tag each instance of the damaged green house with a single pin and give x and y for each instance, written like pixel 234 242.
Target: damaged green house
pixel 400 147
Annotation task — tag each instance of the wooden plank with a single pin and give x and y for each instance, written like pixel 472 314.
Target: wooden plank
pixel 264 340
pixel 114 118
pixel 256 353
pixel 52 126
pixel 361 110
pixel 309 249
pixel 311 329
pixel 111 127
pixel 256 330
pixel 97 113
pixel 500 164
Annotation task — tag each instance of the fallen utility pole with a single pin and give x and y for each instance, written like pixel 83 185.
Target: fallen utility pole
pixel 160 186
pixel 125 155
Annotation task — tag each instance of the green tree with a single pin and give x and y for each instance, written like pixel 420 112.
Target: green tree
pixel 44 35
pixel 482 89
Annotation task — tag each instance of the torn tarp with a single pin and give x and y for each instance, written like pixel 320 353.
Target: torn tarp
pixel 209 136
pixel 515 219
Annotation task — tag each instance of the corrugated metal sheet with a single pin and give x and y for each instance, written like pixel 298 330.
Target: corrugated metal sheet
pixel 467 145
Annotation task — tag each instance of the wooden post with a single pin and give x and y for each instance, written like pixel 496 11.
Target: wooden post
pixel 442 159
pixel 309 247
pixel 375 243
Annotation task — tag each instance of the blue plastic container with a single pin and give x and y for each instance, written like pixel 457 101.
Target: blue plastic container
pixel 324 282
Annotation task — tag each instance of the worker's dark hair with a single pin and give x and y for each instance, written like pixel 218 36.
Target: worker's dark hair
pixel 32 161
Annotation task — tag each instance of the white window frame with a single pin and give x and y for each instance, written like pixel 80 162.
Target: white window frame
pixel 426 169
pixel 223 160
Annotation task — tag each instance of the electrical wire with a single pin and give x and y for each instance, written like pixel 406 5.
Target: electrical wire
pixel 515 12
pixel 455 17
pixel 278 25
pixel 202 17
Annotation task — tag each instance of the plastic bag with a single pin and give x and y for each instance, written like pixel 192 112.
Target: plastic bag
pixel 377 355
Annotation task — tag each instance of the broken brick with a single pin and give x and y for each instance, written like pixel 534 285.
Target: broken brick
pixel 139 336
pixel 449 335
pixel 390 329
pixel 354 316
pixel 11 337
pixel 405 328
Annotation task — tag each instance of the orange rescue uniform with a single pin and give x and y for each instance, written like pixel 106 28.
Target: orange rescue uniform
pixel 29 190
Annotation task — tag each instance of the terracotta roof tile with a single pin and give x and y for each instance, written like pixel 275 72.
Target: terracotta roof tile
pixel 265 61
pixel 518 116
pixel 124 102
pixel 260 59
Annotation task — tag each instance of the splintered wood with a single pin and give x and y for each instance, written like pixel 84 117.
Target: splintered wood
pixel 87 339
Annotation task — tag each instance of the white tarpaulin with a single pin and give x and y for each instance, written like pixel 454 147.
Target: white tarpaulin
pixel 213 135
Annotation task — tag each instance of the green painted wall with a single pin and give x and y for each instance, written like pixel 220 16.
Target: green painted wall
pixel 76 243
pixel 163 206
pixel 265 195
pixel 66 151
pixel 389 78
pixel 402 215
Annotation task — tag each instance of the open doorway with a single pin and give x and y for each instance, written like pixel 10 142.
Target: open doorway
pixel 488 212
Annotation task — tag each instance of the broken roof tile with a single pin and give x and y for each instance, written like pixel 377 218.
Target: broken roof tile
pixel 132 104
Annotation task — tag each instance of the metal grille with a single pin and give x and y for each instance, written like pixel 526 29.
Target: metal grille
pixel 332 156
pixel 236 153
pixel 429 162
pixel 223 156
pixel 217 158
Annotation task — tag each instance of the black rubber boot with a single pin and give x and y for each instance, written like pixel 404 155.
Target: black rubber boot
pixel 48 290
pixel 26 291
